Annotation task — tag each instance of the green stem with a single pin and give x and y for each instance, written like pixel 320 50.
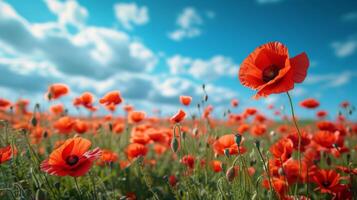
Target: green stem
pixel 298 130
pixel 266 170
pixel 77 187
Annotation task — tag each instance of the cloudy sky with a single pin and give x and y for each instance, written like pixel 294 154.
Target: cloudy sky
pixel 154 51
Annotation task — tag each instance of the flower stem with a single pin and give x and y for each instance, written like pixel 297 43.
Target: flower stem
pixel 77 187
pixel 298 130
pixel 267 171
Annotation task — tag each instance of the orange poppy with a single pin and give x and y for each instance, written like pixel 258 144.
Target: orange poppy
pixel 227 143
pixel 136 116
pixel 71 159
pixel 80 126
pixel 86 100
pixel 135 150
pixel 57 109
pixel 128 108
pixel 234 103
pixel 4 104
pixel 270 70
pixel 64 124
pixel 258 130
pixel 178 117
pixel 325 139
pixel 6 153
pixel 309 103
pixel 282 149
pixel 112 97
pixel 216 165
pixel 57 90
pixel 185 100
pixel 108 156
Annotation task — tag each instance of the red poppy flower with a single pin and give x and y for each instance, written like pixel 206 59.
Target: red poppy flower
pixel 4 104
pixel 309 103
pixel 80 126
pixel 136 116
pixel 345 104
pixel 71 159
pixel 185 100
pixel 282 149
pixel 327 180
pixel 305 140
pixel 86 100
pixel 64 124
pixel 108 156
pixel 227 143
pixel 178 117
pixel 189 161
pixel 135 150
pixel 173 180
pixel 325 139
pixel 326 126
pixel 234 103
pixel 57 109
pixel 270 70
pixel 258 130
pixel 6 153
pixel 57 90
pixel 112 97
pixel 321 114
pixel 291 170
pixel 128 108
pixel 216 165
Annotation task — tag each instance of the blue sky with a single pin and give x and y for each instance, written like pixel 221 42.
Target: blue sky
pixel 154 51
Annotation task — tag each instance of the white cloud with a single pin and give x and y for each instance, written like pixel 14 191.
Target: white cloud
pixel 345 48
pixel 189 23
pixel 130 14
pixel 331 80
pixel 209 69
pixel 68 12
pixel 106 51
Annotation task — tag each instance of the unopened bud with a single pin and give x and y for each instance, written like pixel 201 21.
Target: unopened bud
pixel 328 161
pixel 206 97
pixel 257 143
pixel 110 127
pixel 33 121
pixel 238 139
pixel 174 144
pixel 230 174
pixel 226 152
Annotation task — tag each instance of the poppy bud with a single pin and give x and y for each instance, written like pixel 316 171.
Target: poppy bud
pixel 238 139
pixel 174 144
pixel 110 127
pixel 257 144
pixel 226 152
pixel 252 162
pixel 45 134
pixel 348 157
pixel 230 174
pixel 206 97
pixel 203 86
pixel 198 106
pixel 49 96
pixel 33 121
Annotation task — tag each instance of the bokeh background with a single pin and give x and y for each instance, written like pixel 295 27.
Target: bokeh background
pixel 153 51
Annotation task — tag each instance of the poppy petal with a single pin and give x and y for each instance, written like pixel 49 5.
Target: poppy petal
pixel 299 65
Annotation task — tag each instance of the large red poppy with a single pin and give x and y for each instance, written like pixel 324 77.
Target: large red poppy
pixel 71 159
pixel 270 70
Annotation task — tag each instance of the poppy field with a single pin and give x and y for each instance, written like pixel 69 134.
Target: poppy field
pixel 51 153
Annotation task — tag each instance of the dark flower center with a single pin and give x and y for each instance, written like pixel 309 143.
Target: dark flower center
pixel 326 184
pixel 270 73
pixel 72 160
